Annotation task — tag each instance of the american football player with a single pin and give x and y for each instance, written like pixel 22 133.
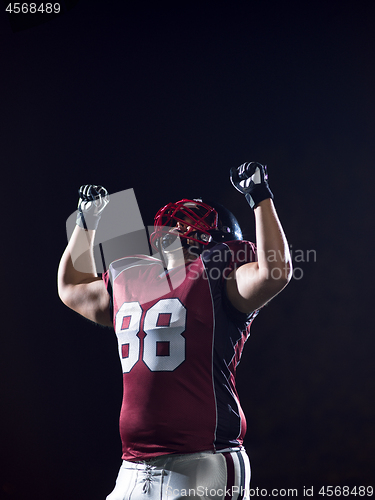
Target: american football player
pixel 182 317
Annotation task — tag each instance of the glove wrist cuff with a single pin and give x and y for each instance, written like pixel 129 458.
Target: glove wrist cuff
pixel 259 193
pixel 87 220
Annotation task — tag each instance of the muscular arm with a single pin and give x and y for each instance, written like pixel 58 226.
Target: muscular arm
pixel 79 286
pixel 252 285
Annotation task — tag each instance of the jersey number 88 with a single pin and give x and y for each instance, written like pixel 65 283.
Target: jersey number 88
pixel 163 325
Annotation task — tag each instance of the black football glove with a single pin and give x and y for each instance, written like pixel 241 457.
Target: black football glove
pixel 92 202
pixel 251 179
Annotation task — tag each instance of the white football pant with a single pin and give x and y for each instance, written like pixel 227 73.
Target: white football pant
pixel 204 475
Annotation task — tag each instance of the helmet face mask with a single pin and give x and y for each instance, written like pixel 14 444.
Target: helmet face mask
pixel 206 223
pixel 200 219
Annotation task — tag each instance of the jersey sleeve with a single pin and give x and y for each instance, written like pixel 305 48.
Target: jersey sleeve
pixel 241 252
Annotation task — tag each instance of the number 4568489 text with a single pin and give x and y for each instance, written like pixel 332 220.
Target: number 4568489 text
pixel 33 8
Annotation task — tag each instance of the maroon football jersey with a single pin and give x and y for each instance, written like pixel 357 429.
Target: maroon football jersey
pixel 180 341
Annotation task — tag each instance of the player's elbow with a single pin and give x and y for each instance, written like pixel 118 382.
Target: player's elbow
pixel 270 285
pixel 65 294
pixel 254 286
pixel 277 277
pixel 62 283
pixel 66 290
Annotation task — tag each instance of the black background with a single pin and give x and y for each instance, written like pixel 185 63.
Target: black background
pixel 165 99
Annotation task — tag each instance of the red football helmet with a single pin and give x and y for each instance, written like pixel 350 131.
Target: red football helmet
pixel 203 219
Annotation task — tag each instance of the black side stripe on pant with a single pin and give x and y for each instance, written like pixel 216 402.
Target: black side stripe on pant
pixel 235 489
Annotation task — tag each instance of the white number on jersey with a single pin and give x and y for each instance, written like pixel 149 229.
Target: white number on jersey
pixel 127 325
pixel 163 325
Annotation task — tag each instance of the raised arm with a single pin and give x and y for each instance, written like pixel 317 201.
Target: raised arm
pixel 254 284
pixel 79 286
